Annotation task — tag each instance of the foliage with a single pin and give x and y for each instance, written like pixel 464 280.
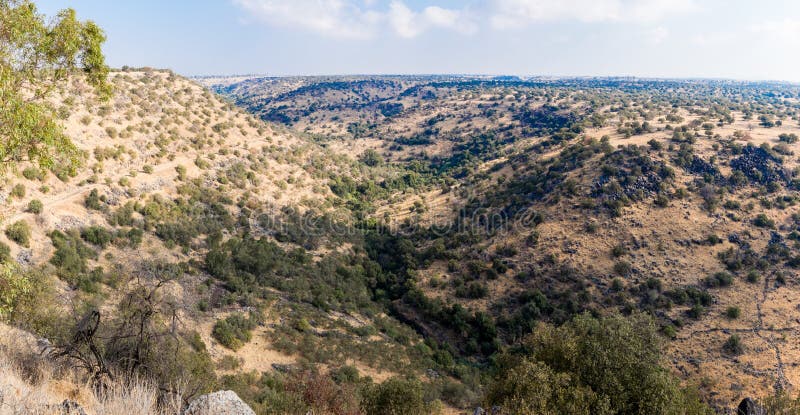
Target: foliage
pixel 608 365
pixel 5 253
pixel 35 206
pixel 14 284
pixel 37 55
pixel 397 396
pixel 233 331
pixel 70 256
pixel 19 232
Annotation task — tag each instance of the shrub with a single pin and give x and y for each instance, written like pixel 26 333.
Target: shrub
pixel 93 200
pixel 720 279
pixel 233 331
pixel 591 366
pixel 20 233
pixel 18 191
pixel 618 250
pixel 96 235
pixel 473 290
pixel 733 345
pixel 733 312
pixel 753 276
pixel 5 253
pixel 15 284
pixel 70 255
pixel 396 396
pixel 32 173
pixel 181 170
pixel 764 221
pixel 35 206
pixel 622 268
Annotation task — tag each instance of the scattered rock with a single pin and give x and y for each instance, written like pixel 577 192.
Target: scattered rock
pixel 25 257
pixel 759 166
pixel 279 367
pixel 218 403
pixel 70 222
pixel 67 407
pixel 44 346
pixel 701 167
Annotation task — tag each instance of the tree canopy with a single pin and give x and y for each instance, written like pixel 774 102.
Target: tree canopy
pixel 608 365
pixel 36 55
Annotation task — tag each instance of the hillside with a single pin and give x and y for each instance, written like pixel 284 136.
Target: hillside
pixel 547 198
pixel 172 177
pixel 396 244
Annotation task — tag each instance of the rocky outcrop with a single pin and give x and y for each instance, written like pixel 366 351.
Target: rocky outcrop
pixel 759 166
pixel 750 407
pixel 218 403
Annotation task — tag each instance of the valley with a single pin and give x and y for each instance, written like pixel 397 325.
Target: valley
pixel 390 244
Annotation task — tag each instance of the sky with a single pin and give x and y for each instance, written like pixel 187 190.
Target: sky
pixel 735 39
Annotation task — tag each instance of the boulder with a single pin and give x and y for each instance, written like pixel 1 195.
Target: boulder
pixel 218 403
pixel 750 407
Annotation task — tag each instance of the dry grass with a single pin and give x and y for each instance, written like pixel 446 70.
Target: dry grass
pixel 32 384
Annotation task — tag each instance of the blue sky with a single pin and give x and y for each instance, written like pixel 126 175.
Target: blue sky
pixel 741 39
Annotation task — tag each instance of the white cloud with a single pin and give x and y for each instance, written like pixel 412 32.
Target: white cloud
pixel 516 13
pixel 409 24
pixel 356 19
pixel 459 20
pixel 781 31
pixel 339 18
pixel 404 21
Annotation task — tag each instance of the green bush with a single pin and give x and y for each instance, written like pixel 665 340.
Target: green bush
pixel 233 331
pixel 70 255
pixel 720 279
pixel 610 365
pixel 753 276
pixel 764 221
pixel 733 345
pixel 622 268
pixel 20 233
pixel 397 396
pixel 32 173
pixel 97 236
pixel 94 201
pixel 35 206
pixel 733 312
pixel 5 253
pixel 18 191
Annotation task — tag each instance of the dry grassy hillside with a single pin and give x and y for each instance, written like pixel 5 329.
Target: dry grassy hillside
pixel 171 172
pixel 556 198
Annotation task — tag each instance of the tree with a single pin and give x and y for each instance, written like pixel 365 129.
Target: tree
pixel 35 57
pixel 397 396
pixel 610 365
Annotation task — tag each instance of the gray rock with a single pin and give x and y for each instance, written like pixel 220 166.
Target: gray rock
pixel 750 407
pixel 218 403
pixel 66 408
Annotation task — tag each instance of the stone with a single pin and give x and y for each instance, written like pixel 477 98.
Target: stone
pixel 218 403
pixel 69 408
pixel 750 407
